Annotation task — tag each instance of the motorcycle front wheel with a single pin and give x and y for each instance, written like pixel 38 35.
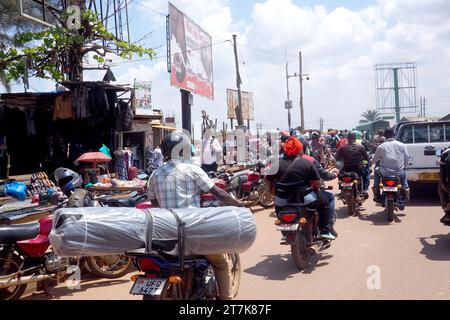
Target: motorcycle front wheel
pixel 8 265
pixel 110 266
pixel 235 272
pixel 266 199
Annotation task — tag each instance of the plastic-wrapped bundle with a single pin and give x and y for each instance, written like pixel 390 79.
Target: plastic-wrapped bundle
pixel 96 231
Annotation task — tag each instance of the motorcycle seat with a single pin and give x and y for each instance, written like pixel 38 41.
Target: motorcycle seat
pixel 18 232
pixel 391 177
pixel 353 175
pixel 126 202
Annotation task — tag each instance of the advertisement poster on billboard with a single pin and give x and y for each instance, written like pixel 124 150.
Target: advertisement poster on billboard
pixel 191 66
pixel 143 97
pixel 247 104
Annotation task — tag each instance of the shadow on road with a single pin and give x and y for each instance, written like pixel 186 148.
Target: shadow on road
pixel 85 284
pixel 439 251
pixel 380 219
pixel 281 267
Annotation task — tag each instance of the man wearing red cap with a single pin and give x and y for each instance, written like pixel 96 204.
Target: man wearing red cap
pixel 296 171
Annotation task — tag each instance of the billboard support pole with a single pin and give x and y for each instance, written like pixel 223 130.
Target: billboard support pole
pixel 186 103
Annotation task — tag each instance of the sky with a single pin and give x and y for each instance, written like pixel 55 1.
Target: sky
pixel 341 41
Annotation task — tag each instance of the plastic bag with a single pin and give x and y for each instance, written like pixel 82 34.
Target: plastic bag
pixel 16 189
pixel 105 150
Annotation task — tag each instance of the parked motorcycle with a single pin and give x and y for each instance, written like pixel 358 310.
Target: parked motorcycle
pixel 351 186
pixel 24 259
pixel 298 223
pixel 250 186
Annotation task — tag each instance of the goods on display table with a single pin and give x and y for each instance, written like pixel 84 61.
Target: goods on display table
pixel 105 230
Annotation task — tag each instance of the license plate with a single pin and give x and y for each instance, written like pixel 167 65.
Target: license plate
pixel 288 227
pixel 429 176
pixel 389 189
pixel 347 184
pixel 148 286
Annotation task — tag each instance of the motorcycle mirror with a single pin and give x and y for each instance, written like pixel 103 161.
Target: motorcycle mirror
pixel 438 152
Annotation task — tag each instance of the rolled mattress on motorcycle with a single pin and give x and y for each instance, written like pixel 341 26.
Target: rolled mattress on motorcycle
pixel 94 231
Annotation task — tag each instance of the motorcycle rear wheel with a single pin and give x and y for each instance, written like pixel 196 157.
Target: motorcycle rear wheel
pixel 299 251
pixel 351 206
pixel 389 210
pixel 13 264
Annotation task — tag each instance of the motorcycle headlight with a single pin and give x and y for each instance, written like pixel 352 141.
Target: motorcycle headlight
pixel 216 203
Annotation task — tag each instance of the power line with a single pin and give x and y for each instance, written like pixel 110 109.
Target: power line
pixel 165 56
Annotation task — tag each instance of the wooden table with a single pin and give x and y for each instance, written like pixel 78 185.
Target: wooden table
pixel 24 215
pixel 116 189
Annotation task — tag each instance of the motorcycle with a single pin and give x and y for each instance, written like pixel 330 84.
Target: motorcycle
pixel 392 197
pixel 298 223
pixel 24 259
pixel 168 277
pixel 250 186
pixel 328 160
pixel 350 184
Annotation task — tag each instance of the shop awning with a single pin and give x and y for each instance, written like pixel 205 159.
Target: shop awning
pixel 159 126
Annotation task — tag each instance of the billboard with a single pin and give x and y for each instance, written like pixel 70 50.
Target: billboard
pixel 191 66
pixel 247 104
pixel 143 97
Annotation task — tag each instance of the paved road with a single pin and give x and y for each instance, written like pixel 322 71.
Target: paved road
pixel 411 257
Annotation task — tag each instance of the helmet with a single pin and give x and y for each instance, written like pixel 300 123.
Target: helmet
pixel 300 137
pixel 67 179
pixel 358 134
pixel 285 135
pixel 176 145
pixel 315 135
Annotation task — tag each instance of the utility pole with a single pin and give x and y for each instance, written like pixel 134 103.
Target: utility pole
pixel 239 117
pixel 258 127
pixel 300 72
pixel 288 103
pixel 396 95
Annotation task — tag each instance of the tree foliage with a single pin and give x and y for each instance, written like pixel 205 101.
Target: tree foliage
pixel 11 22
pixel 56 53
pixel 370 115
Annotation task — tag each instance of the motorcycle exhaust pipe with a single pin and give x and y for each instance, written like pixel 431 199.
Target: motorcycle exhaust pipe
pixel 22 280
pixel 312 250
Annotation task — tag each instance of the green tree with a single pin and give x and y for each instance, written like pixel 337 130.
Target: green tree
pixel 369 116
pixel 11 22
pixel 57 52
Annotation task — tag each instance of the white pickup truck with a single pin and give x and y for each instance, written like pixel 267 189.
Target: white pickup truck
pixel 422 139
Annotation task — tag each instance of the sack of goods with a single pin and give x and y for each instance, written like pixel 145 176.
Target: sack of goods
pixel 95 231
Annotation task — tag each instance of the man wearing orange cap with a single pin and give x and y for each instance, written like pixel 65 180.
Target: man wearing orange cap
pixel 295 171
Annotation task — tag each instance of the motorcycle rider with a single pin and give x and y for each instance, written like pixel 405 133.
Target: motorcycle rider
pixel 178 184
pixel 325 175
pixel 333 140
pixel 393 157
pixel 354 155
pixel 444 185
pixel 293 169
pixel 317 145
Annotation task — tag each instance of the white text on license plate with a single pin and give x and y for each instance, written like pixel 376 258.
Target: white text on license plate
pixel 288 227
pixel 149 286
pixel 389 189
